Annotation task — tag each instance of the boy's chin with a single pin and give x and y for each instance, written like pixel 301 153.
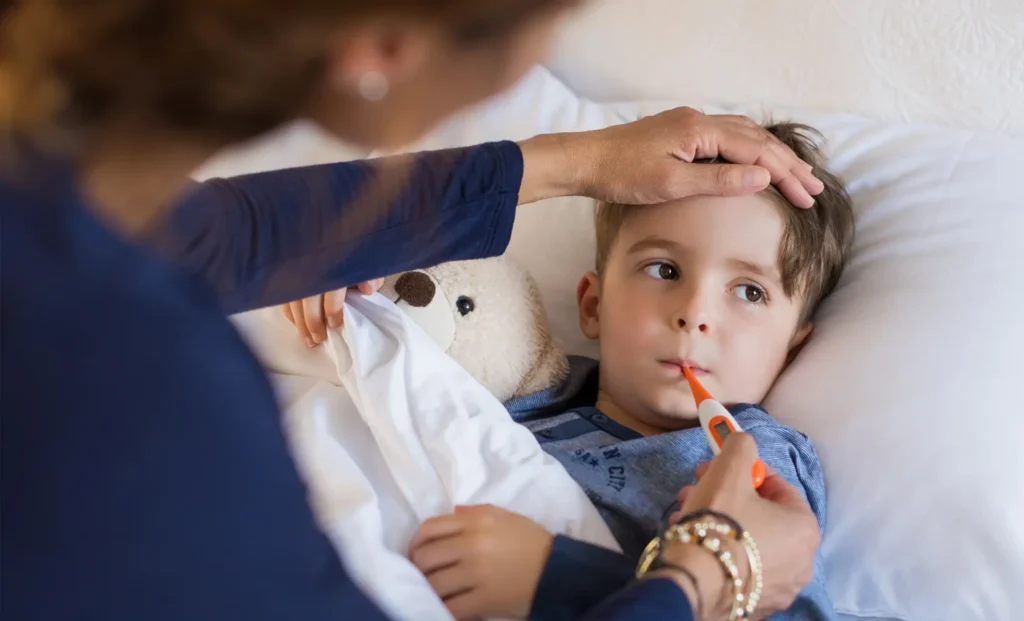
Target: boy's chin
pixel 675 415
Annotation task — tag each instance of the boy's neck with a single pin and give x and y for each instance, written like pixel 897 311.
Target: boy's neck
pixel 611 409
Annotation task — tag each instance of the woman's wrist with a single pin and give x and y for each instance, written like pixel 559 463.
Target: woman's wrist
pixel 555 165
pixel 708 589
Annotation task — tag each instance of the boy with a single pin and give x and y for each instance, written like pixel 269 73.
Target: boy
pixel 727 286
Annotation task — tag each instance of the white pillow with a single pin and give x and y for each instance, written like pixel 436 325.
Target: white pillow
pixel 907 385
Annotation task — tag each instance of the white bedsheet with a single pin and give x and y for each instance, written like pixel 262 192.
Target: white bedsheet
pixel 402 434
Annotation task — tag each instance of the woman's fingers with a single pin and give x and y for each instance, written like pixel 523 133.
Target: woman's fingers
pixel 298 311
pixel 740 140
pixel 334 307
pixel 734 463
pixel 779 491
pixel 722 180
pixel 743 144
pixel 313 312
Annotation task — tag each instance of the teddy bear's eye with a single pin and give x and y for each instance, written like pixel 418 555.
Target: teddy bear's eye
pixel 464 305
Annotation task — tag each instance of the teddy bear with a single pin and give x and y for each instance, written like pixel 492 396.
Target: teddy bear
pixel 488 316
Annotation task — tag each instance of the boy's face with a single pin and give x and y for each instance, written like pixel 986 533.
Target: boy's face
pixel 694 281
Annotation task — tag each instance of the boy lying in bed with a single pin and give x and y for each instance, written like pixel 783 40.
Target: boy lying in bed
pixel 727 286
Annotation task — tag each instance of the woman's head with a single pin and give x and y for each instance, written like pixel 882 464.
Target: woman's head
pixel 374 72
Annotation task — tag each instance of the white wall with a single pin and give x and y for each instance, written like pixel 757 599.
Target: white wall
pixel 945 62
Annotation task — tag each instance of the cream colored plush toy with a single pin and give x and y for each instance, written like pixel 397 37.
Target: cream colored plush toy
pixel 487 315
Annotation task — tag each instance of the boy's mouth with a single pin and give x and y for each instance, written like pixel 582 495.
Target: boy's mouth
pixel 680 364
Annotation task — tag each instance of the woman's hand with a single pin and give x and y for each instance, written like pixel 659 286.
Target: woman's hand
pixel 776 515
pixel 650 161
pixel 314 315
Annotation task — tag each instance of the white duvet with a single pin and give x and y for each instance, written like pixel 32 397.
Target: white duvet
pixel 400 433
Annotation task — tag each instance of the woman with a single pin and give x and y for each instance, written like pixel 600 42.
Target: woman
pixel 146 476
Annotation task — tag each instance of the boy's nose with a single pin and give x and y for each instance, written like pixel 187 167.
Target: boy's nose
pixel 700 326
pixel 693 314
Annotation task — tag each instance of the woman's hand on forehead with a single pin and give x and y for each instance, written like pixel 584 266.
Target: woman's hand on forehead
pixel 652 160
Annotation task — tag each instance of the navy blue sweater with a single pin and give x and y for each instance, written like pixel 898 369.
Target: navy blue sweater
pixel 145 472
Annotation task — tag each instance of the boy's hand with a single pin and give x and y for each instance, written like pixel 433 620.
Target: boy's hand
pixel 483 561
pixel 313 315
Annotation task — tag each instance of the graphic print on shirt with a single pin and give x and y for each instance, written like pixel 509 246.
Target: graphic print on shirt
pixel 608 461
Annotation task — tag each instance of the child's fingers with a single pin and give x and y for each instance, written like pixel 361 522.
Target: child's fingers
pixel 287 310
pixel 370 286
pixel 312 308
pixel 452 581
pixel 299 314
pixel 466 605
pixel 334 307
pixel 437 554
pixel 437 528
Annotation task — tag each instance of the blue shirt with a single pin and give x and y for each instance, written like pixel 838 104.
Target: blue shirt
pixel 633 480
pixel 145 472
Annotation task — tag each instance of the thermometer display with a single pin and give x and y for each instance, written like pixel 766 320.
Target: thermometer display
pixel 722 428
pixel 718 423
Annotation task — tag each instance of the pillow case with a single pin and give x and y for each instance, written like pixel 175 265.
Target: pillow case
pixel 907 385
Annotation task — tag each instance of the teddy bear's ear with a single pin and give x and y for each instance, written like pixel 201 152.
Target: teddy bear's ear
pixel 548 370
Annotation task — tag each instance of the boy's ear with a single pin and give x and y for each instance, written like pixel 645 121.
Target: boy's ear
pixel 588 300
pixel 798 340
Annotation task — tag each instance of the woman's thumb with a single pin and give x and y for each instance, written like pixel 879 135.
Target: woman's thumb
pixel 739 452
pixel 729 179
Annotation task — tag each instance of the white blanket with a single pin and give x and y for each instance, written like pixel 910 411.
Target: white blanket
pixel 405 434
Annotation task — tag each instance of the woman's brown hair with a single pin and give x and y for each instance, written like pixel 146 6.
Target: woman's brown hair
pixel 225 70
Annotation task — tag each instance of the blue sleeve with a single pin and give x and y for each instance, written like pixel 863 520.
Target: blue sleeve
pixel 580 577
pixel 650 600
pixel 577 576
pixel 792 455
pixel 272 237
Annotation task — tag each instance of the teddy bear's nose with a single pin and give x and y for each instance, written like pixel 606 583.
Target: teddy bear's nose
pixel 415 289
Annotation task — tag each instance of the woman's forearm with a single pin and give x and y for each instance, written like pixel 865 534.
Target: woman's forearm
pixel 553 165
pixel 272 237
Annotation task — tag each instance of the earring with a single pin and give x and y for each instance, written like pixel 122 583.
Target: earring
pixel 373 86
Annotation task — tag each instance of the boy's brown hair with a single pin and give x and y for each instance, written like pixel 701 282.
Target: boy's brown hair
pixel 815 242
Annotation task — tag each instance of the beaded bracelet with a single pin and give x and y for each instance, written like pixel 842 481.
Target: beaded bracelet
pixel 706 529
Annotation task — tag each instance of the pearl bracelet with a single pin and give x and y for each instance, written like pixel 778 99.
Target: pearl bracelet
pixel 707 529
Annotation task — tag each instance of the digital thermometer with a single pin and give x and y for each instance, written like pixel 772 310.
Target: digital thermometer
pixel 717 422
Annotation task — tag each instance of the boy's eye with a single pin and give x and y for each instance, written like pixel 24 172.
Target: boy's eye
pixel 750 293
pixel 662 271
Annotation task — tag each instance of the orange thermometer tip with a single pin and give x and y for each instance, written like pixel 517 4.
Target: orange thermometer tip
pixel 699 392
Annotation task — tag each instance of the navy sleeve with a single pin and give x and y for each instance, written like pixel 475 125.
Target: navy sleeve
pixel 577 576
pixel 651 600
pixel 272 237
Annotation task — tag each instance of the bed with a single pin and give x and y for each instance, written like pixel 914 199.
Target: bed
pixel 909 385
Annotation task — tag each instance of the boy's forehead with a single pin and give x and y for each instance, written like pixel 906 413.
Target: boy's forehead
pixel 748 227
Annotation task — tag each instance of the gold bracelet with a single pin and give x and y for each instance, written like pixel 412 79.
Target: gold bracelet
pixel 708 534
pixel 756 580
